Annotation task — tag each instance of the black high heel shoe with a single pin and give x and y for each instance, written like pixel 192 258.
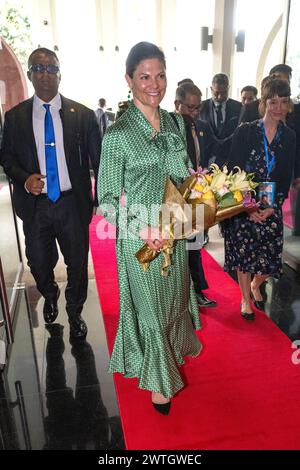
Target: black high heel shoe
pixel 247 316
pixel 259 304
pixel 162 408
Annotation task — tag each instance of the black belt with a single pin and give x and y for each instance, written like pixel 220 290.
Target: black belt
pixel 62 194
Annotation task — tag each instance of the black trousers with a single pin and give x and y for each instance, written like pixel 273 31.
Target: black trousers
pixel 196 269
pixel 59 222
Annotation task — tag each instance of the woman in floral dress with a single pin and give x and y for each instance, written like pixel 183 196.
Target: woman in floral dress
pixel 158 314
pixel 253 242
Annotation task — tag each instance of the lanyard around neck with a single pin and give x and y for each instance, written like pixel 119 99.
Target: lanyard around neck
pixel 270 163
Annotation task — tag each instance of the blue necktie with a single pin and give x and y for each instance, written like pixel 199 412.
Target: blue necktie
pixel 53 189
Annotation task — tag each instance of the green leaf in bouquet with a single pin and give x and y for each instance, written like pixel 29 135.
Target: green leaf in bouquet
pixel 218 198
pixel 227 201
pixel 252 183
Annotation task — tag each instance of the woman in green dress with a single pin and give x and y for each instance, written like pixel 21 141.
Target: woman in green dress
pixel 158 314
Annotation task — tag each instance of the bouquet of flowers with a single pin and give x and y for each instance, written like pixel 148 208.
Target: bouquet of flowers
pixel 221 194
pixel 225 194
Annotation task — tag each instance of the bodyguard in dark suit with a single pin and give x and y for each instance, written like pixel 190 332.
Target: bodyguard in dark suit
pixel 221 112
pixel 250 111
pixel 47 143
pixel 201 145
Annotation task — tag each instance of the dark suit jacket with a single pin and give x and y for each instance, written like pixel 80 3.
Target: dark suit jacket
pixel 233 109
pixel 81 142
pixel 208 143
pixel 249 112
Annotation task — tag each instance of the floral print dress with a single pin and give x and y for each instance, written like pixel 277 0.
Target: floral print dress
pixel 252 247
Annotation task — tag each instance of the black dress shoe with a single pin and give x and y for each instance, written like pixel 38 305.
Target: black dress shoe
pixel 50 310
pixel 162 408
pixel 203 301
pixel 78 328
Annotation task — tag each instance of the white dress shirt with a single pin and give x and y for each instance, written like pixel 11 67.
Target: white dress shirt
pixel 38 120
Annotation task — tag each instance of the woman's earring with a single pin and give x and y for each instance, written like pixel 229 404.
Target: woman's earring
pixel 129 94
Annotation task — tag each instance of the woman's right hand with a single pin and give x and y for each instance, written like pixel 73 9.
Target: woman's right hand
pixel 153 237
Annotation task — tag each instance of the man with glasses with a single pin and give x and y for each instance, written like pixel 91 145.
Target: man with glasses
pixel 48 141
pixel 201 146
pixel 221 112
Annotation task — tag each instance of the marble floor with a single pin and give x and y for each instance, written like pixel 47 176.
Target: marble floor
pixel 62 395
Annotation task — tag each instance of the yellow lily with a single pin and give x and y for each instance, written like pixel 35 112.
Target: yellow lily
pixel 199 187
pixel 208 195
pixel 208 178
pixel 238 196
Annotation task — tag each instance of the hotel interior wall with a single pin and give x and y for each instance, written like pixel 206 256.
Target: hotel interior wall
pixel 79 28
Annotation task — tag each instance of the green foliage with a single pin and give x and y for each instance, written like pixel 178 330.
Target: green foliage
pixel 15 30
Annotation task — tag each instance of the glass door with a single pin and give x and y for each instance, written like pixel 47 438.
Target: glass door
pixel 21 413
pixel 11 266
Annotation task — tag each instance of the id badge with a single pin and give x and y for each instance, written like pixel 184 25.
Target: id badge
pixel 266 194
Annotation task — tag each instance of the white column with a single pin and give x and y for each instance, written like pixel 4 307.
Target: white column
pixel 224 36
pixel 107 23
pixel 166 20
pixel 42 25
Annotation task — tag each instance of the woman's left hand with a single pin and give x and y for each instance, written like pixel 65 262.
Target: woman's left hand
pixel 265 213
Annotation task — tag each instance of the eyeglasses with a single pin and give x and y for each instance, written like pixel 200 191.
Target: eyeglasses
pixel 50 68
pixel 191 107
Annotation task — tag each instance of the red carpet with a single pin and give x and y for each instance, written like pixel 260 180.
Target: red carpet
pixel 243 389
pixel 287 213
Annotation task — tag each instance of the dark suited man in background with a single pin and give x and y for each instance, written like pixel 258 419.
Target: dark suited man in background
pixel 282 71
pixel 101 117
pixel 248 94
pixel 47 143
pixel 201 146
pixel 250 111
pixel 221 112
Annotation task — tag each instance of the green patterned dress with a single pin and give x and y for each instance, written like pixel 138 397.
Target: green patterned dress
pixel 158 314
